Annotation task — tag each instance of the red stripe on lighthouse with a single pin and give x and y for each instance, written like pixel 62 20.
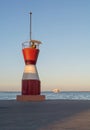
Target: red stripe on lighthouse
pixel 30 55
pixel 30 87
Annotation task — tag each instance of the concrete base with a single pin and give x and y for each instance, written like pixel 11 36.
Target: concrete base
pixel 30 97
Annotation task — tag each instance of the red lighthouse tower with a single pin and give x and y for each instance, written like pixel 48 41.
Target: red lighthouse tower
pixel 31 85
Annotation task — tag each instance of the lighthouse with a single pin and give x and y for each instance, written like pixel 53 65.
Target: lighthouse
pixel 30 84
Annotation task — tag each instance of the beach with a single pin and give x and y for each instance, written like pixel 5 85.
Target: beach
pixel 45 115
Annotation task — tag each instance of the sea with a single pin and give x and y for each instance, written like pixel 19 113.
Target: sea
pixel 68 95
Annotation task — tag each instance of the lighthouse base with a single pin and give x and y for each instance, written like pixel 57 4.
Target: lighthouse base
pixel 30 97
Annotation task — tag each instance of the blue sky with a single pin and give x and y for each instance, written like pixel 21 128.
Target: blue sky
pixel 63 26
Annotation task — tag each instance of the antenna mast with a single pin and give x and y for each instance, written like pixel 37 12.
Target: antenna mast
pixel 30 26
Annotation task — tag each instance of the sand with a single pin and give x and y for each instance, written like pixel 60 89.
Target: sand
pixel 45 115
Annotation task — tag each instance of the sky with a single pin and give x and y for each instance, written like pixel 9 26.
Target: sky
pixel 63 26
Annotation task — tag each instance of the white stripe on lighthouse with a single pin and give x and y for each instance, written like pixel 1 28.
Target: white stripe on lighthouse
pixel 30 72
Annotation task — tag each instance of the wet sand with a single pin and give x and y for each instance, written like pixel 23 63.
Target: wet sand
pixel 45 115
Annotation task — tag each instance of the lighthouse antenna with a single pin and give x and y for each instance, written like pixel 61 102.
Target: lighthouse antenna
pixel 30 26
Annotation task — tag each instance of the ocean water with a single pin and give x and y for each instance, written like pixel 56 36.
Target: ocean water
pixel 50 95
